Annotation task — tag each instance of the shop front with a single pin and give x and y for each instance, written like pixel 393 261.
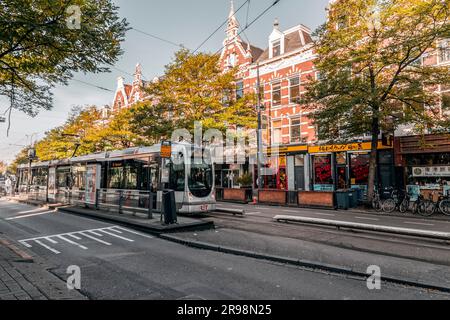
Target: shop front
pixel 425 164
pixel 346 166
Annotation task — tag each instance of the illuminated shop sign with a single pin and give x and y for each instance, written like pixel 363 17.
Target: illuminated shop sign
pixel 345 147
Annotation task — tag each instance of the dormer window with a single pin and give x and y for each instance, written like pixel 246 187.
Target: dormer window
pixel 232 60
pixel 276 48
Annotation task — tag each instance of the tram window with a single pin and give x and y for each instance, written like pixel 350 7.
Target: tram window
pixel 200 179
pixel 177 178
pixel 115 176
pixel 131 174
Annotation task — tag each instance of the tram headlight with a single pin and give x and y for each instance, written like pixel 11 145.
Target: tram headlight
pixel 190 196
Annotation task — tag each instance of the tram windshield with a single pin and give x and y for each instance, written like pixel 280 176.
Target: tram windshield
pixel 200 179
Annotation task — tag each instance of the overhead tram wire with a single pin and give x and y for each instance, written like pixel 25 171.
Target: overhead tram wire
pixel 251 23
pixel 158 38
pixel 219 28
pixel 93 85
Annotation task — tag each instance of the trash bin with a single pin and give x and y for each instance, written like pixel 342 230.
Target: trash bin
pixel 343 199
pixel 169 208
pixel 353 198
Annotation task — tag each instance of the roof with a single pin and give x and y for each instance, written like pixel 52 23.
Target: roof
pixel 292 42
pixel 255 51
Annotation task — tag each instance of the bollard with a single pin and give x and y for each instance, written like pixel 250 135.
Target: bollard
pixel 120 201
pixel 150 205
pixel 96 198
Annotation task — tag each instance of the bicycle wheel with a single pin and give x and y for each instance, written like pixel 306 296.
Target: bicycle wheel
pixel 403 206
pixel 426 208
pixel 389 205
pixel 444 207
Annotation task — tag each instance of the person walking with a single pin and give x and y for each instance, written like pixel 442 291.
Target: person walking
pixel 8 185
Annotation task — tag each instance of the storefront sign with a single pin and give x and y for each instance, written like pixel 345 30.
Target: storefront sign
pixel 431 171
pixel 344 147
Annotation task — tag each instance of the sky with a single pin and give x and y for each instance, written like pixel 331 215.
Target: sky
pixel 179 21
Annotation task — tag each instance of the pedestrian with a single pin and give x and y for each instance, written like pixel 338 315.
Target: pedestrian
pixel 8 185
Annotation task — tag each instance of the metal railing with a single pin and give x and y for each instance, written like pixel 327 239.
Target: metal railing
pixel 128 201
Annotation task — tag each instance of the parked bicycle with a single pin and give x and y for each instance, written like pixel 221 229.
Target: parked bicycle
pixel 376 201
pixel 398 200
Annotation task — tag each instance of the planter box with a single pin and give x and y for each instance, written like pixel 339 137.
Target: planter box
pixel 316 199
pixel 237 195
pixel 277 197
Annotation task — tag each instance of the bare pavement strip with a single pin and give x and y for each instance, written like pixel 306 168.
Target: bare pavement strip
pixel 23 277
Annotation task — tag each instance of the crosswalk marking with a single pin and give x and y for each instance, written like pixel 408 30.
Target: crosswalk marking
pixel 74 243
pixel 47 247
pixel 95 239
pixel 115 235
pixel 92 234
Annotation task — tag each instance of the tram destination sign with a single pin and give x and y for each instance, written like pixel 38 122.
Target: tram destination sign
pixel 166 149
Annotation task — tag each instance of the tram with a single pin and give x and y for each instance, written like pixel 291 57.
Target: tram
pixel 134 175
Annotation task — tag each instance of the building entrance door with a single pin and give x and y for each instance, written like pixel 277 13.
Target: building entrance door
pixel 299 173
pixel 342 178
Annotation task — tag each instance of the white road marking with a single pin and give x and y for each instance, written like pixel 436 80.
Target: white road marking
pixel 95 233
pixel 25 244
pixel 92 234
pixel 95 239
pixel 134 232
pixel 72 242
pixel 74 236
pixel 365 218
pixel 47 247
pixel 419 223
pixel 29 215
pixel 293 211
pixel 115 235
pixel 31 211
pixel 51 240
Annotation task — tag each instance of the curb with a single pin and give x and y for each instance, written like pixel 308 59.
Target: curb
pixel 24 257
pixel 205 225
pixel 298 262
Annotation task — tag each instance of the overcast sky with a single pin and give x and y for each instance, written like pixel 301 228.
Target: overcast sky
pixel 185 22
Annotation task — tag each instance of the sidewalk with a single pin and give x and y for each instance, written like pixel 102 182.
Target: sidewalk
pixel 22 277
pixel 319 256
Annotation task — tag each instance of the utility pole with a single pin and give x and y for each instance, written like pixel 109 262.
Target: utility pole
pixel 259 139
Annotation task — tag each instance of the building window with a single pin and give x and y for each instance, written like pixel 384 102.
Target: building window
pixel 322 170
pixel 294 89
pixel 296 132
pixel 276 93
pixel 261 92
pixel 444 51
pixel 276 48
pixel 276 132
pixel 359 168
pixel 239 90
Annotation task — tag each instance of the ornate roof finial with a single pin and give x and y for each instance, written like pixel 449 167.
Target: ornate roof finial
pixel 233 24
pixel 276 24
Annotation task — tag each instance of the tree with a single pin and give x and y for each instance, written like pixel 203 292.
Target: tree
pixel 21 158
pixel 116 134
pixel 370 79
pixel 193 89
pixel 43 43
pixel 75 135
pixel 3 167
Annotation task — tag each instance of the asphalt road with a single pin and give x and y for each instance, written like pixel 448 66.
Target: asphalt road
pixel 120 263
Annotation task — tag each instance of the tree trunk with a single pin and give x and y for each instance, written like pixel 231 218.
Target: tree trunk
pixel 373 158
